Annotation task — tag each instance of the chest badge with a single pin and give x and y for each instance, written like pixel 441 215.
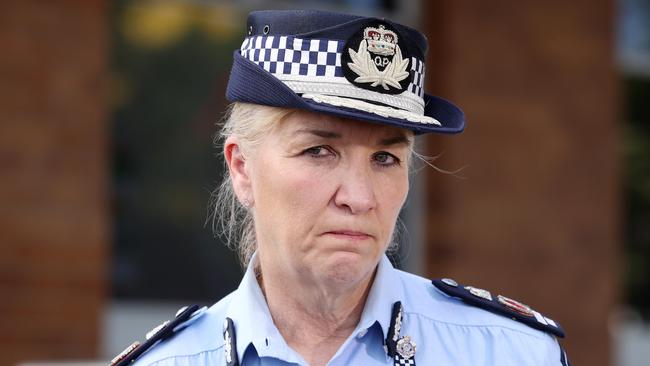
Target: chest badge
pixel 373 59
pixel 406 347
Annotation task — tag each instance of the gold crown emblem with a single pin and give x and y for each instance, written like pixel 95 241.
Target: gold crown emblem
pixel 381 41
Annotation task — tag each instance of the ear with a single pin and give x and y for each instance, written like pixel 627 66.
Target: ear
pixel 237 167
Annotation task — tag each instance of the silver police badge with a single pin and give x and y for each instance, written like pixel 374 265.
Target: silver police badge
pixel 406 347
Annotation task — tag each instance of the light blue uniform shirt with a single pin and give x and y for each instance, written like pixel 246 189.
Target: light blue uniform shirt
pixel 447 331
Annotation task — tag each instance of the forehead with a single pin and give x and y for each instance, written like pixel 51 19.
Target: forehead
pixel 304 121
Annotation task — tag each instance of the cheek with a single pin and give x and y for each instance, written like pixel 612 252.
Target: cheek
pixel 289 197
pixel 393 192
pixel 293 187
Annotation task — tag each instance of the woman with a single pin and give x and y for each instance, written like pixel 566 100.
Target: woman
pixel 318 144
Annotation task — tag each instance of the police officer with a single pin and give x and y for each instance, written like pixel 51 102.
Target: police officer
pixel 318 142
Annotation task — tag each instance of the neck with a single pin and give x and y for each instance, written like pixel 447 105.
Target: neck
pixel 314 319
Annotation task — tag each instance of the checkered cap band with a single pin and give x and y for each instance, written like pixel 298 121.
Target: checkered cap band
pixel 314 66
pixel 416 87
pixel 286 55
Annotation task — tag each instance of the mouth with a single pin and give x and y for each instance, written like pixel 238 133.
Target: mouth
pixel 349 235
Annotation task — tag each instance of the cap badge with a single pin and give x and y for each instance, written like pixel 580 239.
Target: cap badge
pixel 375 61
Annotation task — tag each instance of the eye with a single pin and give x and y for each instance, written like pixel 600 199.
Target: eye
pixel 386 159
pixel 319 151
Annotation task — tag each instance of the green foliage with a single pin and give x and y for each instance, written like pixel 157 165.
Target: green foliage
pixel 167 96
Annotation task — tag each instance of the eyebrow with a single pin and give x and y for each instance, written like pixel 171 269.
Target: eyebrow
pixel 400 139
pixel 396 140
pixel 319 133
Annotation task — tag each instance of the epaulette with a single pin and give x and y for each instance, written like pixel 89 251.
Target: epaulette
pixel 499 305
pixel 163 331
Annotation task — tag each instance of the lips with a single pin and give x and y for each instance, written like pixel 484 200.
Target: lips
pixel 349 234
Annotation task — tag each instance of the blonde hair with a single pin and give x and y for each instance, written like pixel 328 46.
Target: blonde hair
pixel 229 218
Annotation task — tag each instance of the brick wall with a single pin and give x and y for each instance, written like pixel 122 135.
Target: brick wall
pixel 537 217
pixel 53 177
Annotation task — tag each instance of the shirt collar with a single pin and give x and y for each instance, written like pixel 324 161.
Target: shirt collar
pixel 385 291
pixel 254 325
pixel 253 322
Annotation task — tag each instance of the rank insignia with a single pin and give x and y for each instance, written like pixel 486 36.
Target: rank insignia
pixel 400 349
pixel 515 305
pixel 502 305
pixel 479 292
pixel 164 331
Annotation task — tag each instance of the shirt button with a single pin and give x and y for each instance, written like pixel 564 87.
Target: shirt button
pixel 362 333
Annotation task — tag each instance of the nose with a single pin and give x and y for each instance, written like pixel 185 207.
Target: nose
pixel 356 191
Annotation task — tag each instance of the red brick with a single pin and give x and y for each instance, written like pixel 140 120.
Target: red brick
pixel 53 174
pixel 537 217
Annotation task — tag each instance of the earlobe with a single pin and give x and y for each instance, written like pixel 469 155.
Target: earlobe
pixel 238 169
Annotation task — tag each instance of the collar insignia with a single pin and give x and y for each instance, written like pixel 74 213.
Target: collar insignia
pixel 230 343
pixel 400 349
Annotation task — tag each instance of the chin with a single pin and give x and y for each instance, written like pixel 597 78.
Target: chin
pixel 348 267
